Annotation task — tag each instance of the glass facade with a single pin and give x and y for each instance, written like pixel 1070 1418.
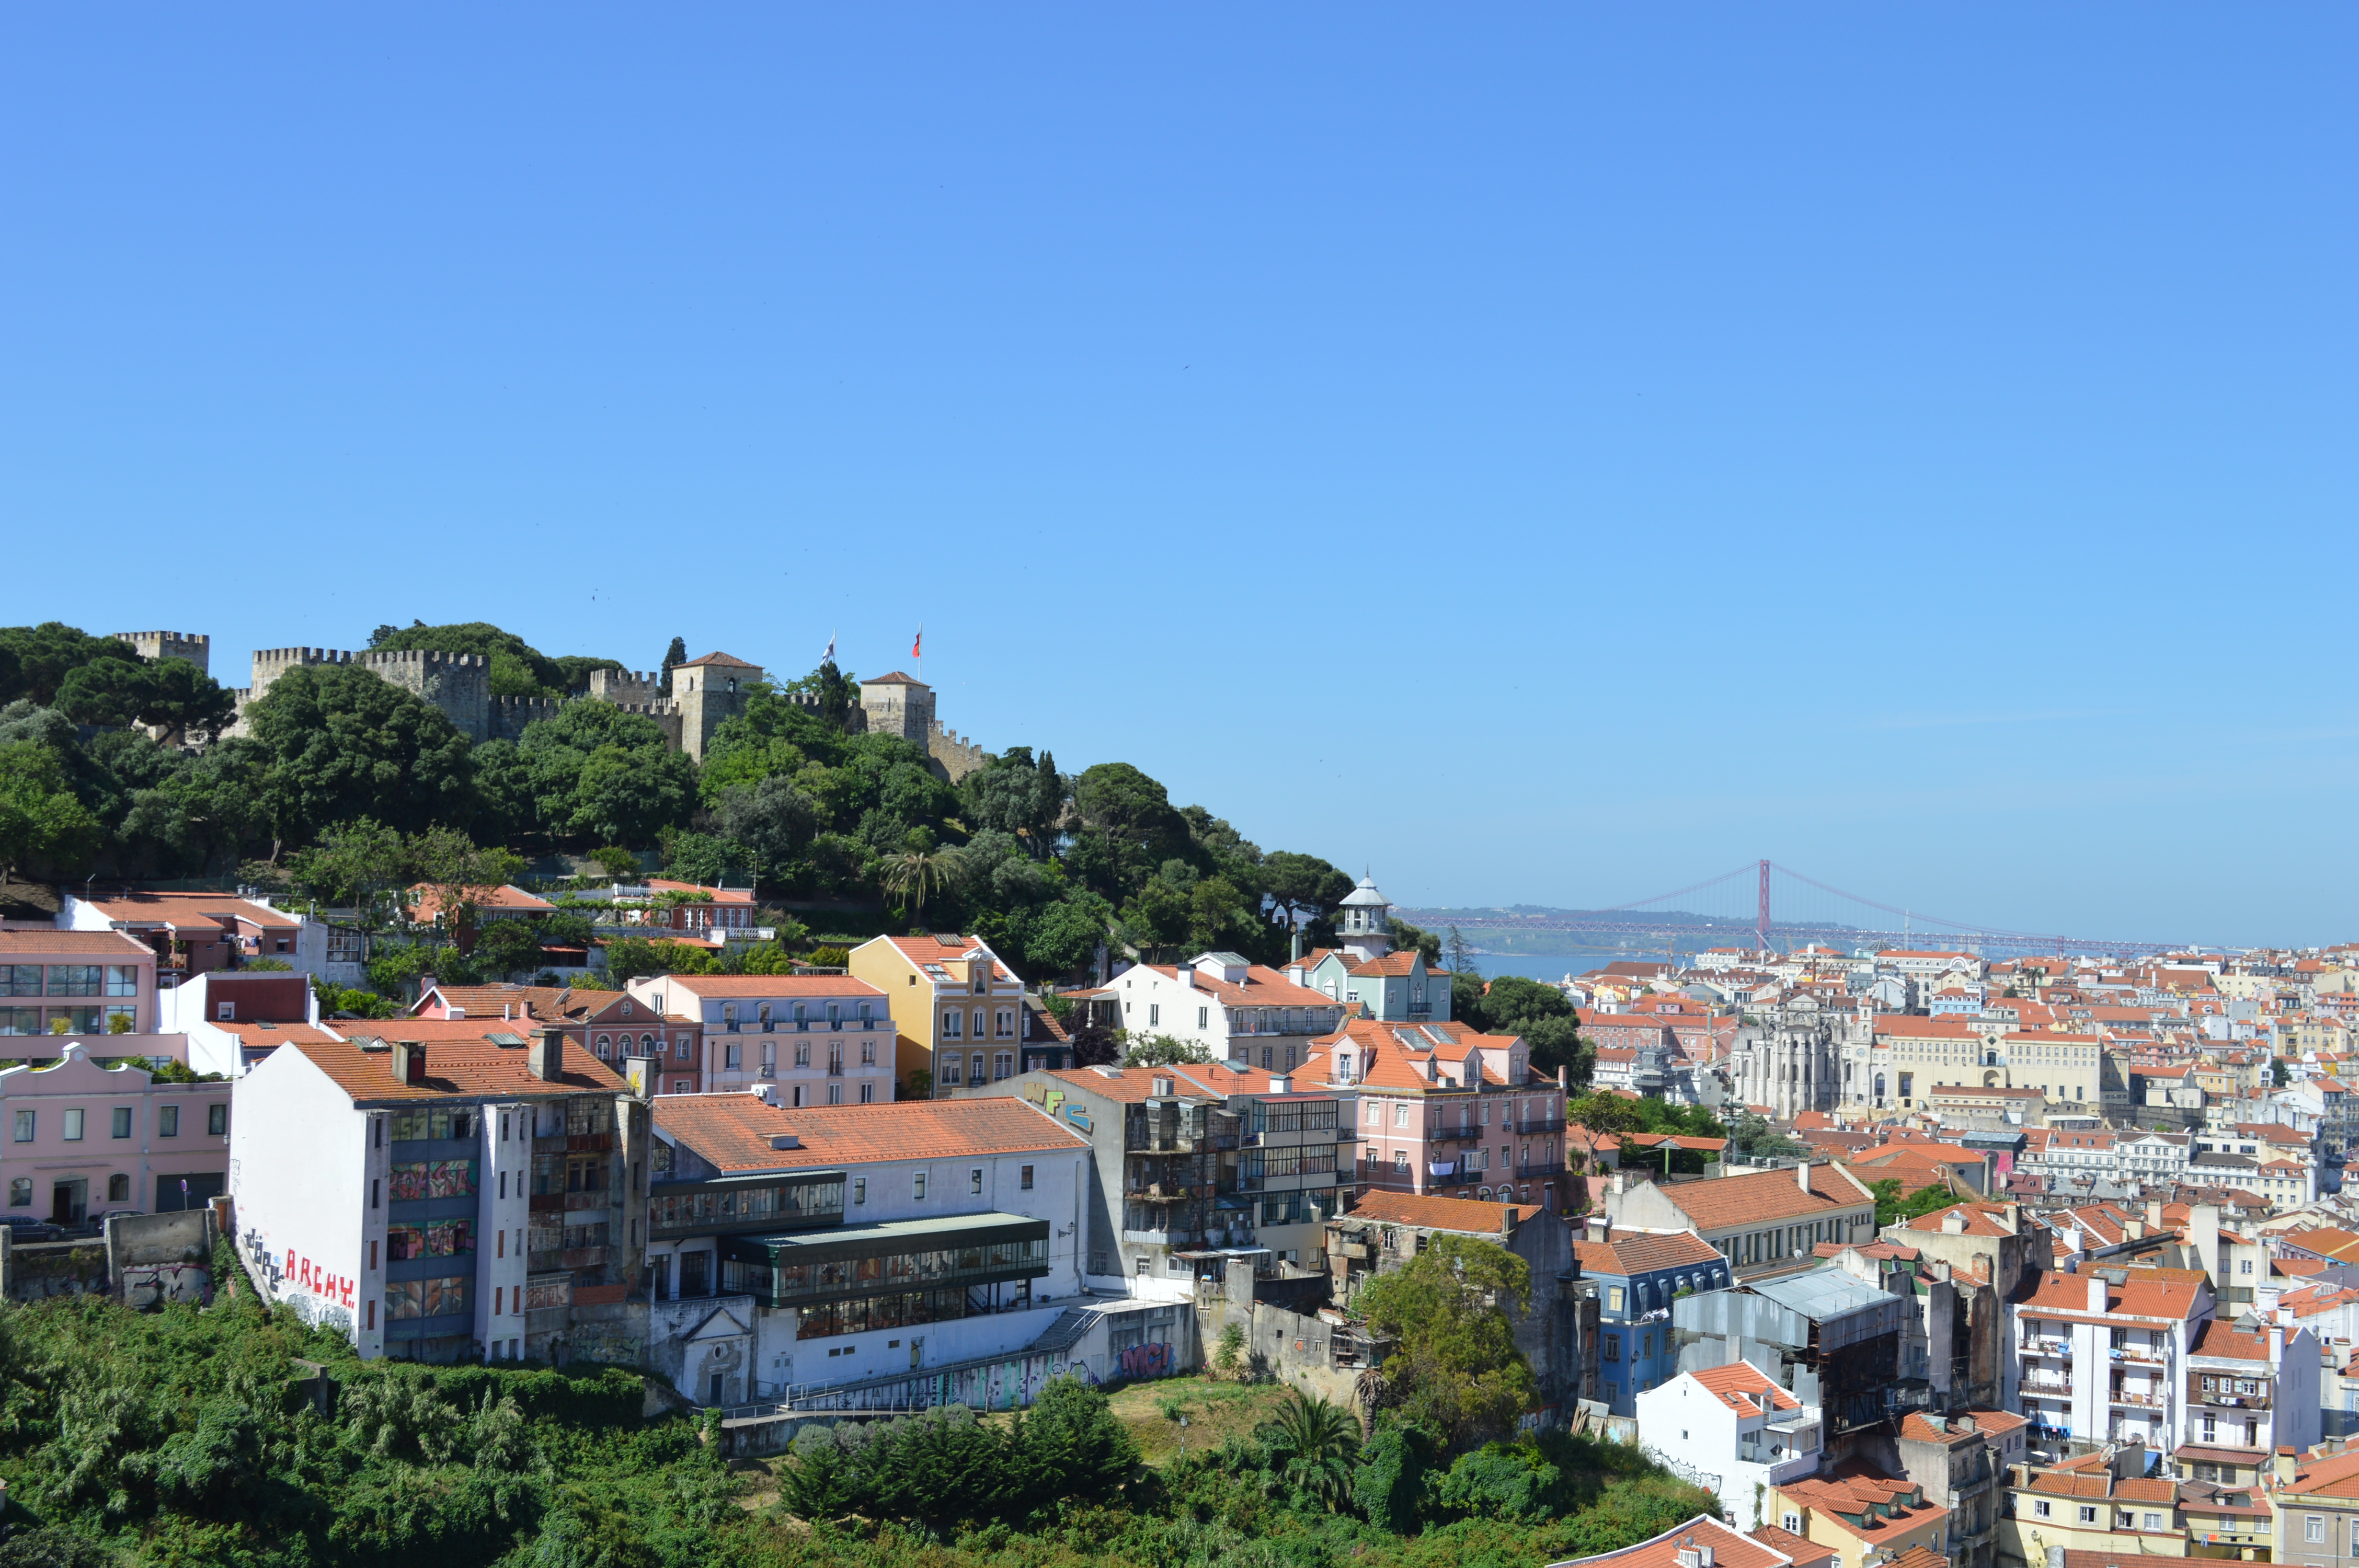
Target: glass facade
pixel 874 1263
pixel 816 1199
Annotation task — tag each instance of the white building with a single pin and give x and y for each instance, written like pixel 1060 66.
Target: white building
pixel 822 1039
pixel 2100 1363
pixel 2256 1391
pixel 445 1199
pixel 1733 1422
pixel 1240 1011
pixel 847 1244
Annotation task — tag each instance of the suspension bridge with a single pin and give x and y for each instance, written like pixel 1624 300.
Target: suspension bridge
pixel 1762 904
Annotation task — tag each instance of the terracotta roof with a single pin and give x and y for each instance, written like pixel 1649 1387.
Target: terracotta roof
pixel 188 909
pixel 1831 1499
pixel 427 904
pixel 1644 1251
pixel 1729 1550
pixel 1745 1388
pixel 718 986
pixel 456 1064
pixel 2068 1294
pixel 1129 1085
pixel 545 1004
pixel 719 659
pixel 1390 964
pixel 2335 1475
pixel 936 948
pixel 1764 1197
pixel 720 895
pixel 16 947
pixel 263 1036
pixel 1262 987
pixel 895 679
pixel 1465 1215
pixel 2220 1339
pixel 1805 1553
pixel 1981 1220
pixel 1920 1556
pixel 734 1130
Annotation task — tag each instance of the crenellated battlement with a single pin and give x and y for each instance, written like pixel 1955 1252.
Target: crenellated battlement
pixel 196 647
pixel 423 656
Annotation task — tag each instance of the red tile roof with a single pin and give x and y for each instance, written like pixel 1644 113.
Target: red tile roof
pixel 721 659
pixel 1729 1550
pixel 719 986
pixel 456 1066
pixel 1643 1251
pixel 1765 1196
pixel 1745 1388
pixel 1129 1085
pixel 1464 1215
pixel 734 1130
pixel 2221 1339
pixel 190 909
pixel 16 947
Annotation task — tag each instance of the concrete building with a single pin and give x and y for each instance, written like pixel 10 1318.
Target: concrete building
pixel 459 1193
pixel 2313 1499
pixel 1238 1011
pixel 1637 1274
pixel 2255 1390
pixel 822 1039
pixel 1293 1170
pixel 1865 1518
pixel 86 983
pixel 2105 1362
pixel 1831 1339
pixel 189 932
pixel 856 1246
pixel 613 1026
pixel 957 1010
pixel 1388 1230
pixel 1960 1459
pixel 1736 1425
pixel 84 1139
pixel 1763 1221
pixel 2090 1506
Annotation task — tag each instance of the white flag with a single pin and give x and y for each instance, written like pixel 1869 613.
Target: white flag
pixel 829 657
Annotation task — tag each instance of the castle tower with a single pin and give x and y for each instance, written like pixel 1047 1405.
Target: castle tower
pixel 710 692
pixel 194 647
pixel 897 705
pixel 458 683
pixel 1364 922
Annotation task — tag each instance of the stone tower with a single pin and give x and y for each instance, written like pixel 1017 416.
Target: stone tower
pixel 194 647
pixel 708 692
pixel 1788 1064
pixel 897 705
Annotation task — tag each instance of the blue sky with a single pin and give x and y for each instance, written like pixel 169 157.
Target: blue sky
pixel 1550 454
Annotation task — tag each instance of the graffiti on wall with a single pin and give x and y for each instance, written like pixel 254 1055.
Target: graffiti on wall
pixel 1147 1361
pixel 153 1284
pixel 322 1299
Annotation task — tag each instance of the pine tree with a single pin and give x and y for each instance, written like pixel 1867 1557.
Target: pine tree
pixel 674 656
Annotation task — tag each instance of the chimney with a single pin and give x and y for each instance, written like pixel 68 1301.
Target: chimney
pixel 1186 974
pixel 1802 1174
pixel 2204 1228
pixel 2096 1292
pixel 548 1061
pixel 785 1140
pixel 1294 952
pixel 1281 1083
pixel 2154 1217
pixel 1601 1228
pixel 409 1061
pixel 1162 1088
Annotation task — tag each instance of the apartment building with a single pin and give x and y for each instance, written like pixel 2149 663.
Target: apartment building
pixel 832 1246
pixel 2254 1391
pixel 2313 1502
pixel 1443 1109
pixel 188 933
pixel 2086 1505
pixel 2103 1362
pixel 1292 1169
pixel 1637 1274
pixel 468 1195
pixel 1733 1425
pixel 80 983
pixel 1762 1222
pixel 1961 1460
pixel 1397 987
pixel 822 1039
pixel 1238 1011
pixel 613 1026
pixel 956 1010
pixel 83 1139
pixel 1866 1520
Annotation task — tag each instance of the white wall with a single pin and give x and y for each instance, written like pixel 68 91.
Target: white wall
pixel 502 1221
pixel 298 1174
pixel 1058 1185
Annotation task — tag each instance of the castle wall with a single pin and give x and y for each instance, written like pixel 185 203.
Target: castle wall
pixel 458 683
pixel 194 647
pixel 953 755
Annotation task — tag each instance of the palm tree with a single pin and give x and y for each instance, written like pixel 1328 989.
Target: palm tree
pixel 916 872
pixel 1314 1442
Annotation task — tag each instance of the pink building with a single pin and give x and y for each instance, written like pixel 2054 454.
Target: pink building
pixel 83 979
pixel 1444 1110
pixel 77 1140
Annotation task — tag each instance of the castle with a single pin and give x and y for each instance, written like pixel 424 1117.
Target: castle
pixel 196 647
pixel 705 693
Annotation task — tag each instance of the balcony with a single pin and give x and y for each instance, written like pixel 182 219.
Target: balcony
pixel 1161 1238
pixel 2048 1347
pixel 2046 1388
pixel 1538 1173
pixel 2145 1355
pixel 1543 1124
pixel 2138 1401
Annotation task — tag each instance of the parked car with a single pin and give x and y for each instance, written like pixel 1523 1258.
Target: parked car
pixel 27 1228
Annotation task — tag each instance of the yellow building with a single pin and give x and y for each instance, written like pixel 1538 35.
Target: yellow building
pixel 2084 1506
pixel 958 1011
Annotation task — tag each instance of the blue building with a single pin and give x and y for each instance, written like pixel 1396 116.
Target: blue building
pixel 1638 1274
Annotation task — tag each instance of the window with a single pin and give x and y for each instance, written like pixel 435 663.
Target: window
pixel 1003 1065
pixel 2153 1521
pixel 1005 1023
pixel 1024 1178
pixel 226 1013
pixel 217 1120
pixel 952 1069
pixel 868 1053
pixel 122 979
pixel 24 1126
pixel 1154 1014
pixel 118 1188
pixel 859 1190
pixel 835 1093
pixel 121 1119
pixel 167 1121
pixel 2088 1513
pixel 1613 1298
pixel 919 1193
pixel 20 1193
pixel 73 1125
pixel 680 1047
pixel 1203 1017
pixel 1400 1113
pixel 2039 1508
pixel 733 1055
pixel 950 1023
pixel 975 1182
pixel 729 1016
pixel 2314 1529
pixel 1613 1351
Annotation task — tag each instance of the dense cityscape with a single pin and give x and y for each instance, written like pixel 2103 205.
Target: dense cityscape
pixel 464 1055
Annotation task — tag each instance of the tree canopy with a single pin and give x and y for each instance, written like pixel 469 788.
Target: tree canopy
pixel 1455 1369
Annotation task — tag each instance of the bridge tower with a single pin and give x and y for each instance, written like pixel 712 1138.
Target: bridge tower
pixel 1761 922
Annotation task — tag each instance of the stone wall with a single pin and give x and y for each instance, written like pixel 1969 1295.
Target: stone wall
pixel 952 753
pixel 194 647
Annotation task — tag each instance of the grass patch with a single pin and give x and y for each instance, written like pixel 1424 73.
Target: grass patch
pixel 1150 1412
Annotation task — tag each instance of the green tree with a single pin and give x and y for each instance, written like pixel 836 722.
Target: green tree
pixel 344 744
pixel 1408 938
pixel 516 668
pixel 41 821
pixel 769 825
pixel 917 871
pixel 209 809
pixel 1541 1014
pixel 1312 1443
pixel 1892 1208
pixel 1128 829
pixel 354 864
pixel 1161 1051
pixel 461 873
pixel 1461 955
pixel 169 692
pixel 674 656
pixel 1394 1474
pixel 1014 796
pixel 508 947
pixel 1455 1367
pixel 599 774
pixel 1308 890
pixel 35 660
